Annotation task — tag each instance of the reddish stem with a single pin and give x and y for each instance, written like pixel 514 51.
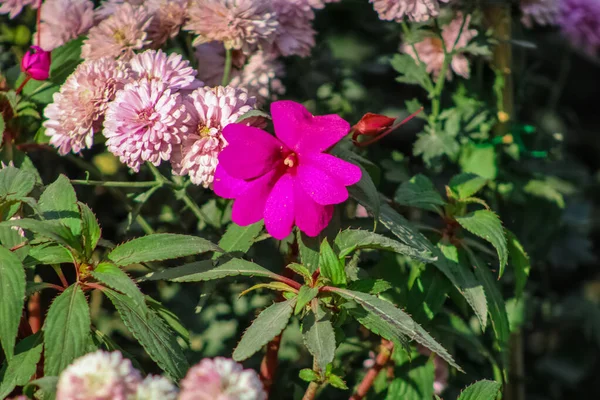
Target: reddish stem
pixel 60 274
pixel 94 285
pixel 269 364
pixel 35 312
pixel 380 362
pixel 287 281
pixel 390 130
pixel 20 88
pixel 18 246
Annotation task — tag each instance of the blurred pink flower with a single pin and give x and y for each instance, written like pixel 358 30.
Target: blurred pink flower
pixel 260 76
pixel 543 12
pixel 109 7
pixel 64 20
pixel 14 7
pixel 221 379
pixel 321 3
pixel 168 18
pixel 155 387
pixel 175 72
pixel 239 24
pixel 294 35
pixel 118 35
pixel 210 109
pixel 98 376
pixel 414 10
pixel 579 21
pixel 36 63
pixel 211 62
pixel 78 108
pixel 143 123
pixel 431 52
pixel 288 180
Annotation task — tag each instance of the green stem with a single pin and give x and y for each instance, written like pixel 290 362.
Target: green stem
pixel 195 209
pixel 227 70
pixel 116 184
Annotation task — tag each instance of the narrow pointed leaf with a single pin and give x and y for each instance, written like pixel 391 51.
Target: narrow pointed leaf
pixel 90 229
pixel 482 390
pixel 319 337
pixel 48 229
pixel 419 192
pixel 353 239
pixel 519 261
pixel 47 254
pixel 22 366
pixel 240 238
pixel 59 203
pixel 300 270
pixel 403 230
pixel 466 185
pixel 305 295
pixel 115 278
pixel 12 288
pixel 330 265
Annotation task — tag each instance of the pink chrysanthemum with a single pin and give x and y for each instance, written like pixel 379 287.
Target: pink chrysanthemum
pixel 260 76
pixel 78 108
pixel 168 18
pixel 321 3
pixel 175 72
pixel 211 110
pixel 288 180
pixel 239 24
pixel 431 51
pixel 98 376
pixel 118 35
pixel 64 20
pixel 14 7
pixel 414 10
pixel 109 7
pixel 543 12
pixel 155 388
pixel 143 123
pixel 221 379
pixel 579 21
pixel 295 35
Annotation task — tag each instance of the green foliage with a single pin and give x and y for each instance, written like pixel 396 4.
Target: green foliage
pixel 240 238
pixel 90 230
pixel 330 265
pixel 12 285
pixel 22 366
pixel 305 295
pixel 466 185
pixel 519 261
pixel 413 379
pixel 113 277
pixel 482 390
pixel 411 73
pixel 319 336
pixel 419 192
pixel 59 203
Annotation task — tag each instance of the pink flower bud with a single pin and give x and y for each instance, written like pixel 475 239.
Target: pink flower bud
pixel 36 63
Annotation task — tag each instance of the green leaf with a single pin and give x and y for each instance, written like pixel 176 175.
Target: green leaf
pixel 353 239
pixel 373 286
pixel 253 114
pixel 414 381
pixel 397 320
pixel 66 330
pixel 330 265
pixel 419 192
pixel 410 71
pixel 481 390
pixel 15 183
pixel 151 331
pixel 466 185
pixel 169 317
pixel 34 287
pixel 308 375
pixel 115 278
pixel 90 229
pixel 308 248
pixel 337 382
pixel 158 247
pixel 487 225
pixel 59 203
pixel 431 145
pixel 305 295
pixel 12 287
pixel 379 327
pixel 550 188
pixel 519 261
pixel 49 229
pixel 300 270
pixel 278 286
pixel 240 238
pixel 479 159
pixel 403 230
pixel 47 386
pixel 427 295
pixel 22 366
pixel 47 254
pixel 319 336
pixel 269 323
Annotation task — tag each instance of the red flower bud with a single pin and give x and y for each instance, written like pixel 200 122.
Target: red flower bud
pixel 36 63
pixel 372 124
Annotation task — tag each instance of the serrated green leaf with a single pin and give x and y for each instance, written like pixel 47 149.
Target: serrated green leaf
pixel 379 327
pixel 487 225
pixel 410 71
pixel 169 317
pixel 308 247
pixel 319 336
pixel 158 247
pixel 427 295
pixel 466 185
pixel 116 279
pixel 12 287
pixel 90 229
pixel 300 270
pixel 330 265
pixel 66 330
pixel 373 286
pixel 47 254
pixel 414 381
pixel 269 323
pixel 519 261
pixel 59 203
pixel 11 237
pixel 22 366
pixel 431 145
pixel 278 286
pixel 49 229
pixel 152 333
pixel 419 192
pixel 480 159
pixel 403 230
pixel 34 287
pixel 397 320
pixel 353 239
pixel 337 382
pixel 47 387
pixel 481 390
pixel 15 183
pixel 308 375
pixel 305 295
pixel 240 238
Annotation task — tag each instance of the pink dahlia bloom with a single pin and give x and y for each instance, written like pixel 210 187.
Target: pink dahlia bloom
pixel 143 123
pixel 239 24
pixel 78 108
pixel 211 110
pixel 98 376
pixel 289 179
pixel 168 18
pixel 155 388
pixel 221 379
pixel 14 7
pixel 294 35
pixel 579 21
pixel 118 35
pixel 543 12
pixel 414 10
pixel 260 76
pixel 431 52
pixel 64 20
pixel 175 72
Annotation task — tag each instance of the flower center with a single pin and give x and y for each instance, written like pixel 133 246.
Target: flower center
pixel 291 160
pixel 203 131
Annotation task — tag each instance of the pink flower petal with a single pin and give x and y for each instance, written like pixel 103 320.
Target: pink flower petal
pixel 251 151
pixel 344 172
pixel 279 209
pixel 321 187
pixel 289 118
pixel 311 218
pixel 227 186
pixel 249 206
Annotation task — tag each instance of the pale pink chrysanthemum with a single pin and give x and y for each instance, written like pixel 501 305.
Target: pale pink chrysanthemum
pixel 431 52
pixel 414 10
pixel 294 35
pixel 221 379
pixel 211 110
pixel 64 20
pixel 175 72
pixel 155 388
pixel 321 3
pixel 118 35
pixel 260 76
pixel 239 24
pixel 168 17
pixel 98 376
pixel 143 123
pixel 78 108
pixel 211 62
pixel 14 7
pixel 109 7
pixel 543 12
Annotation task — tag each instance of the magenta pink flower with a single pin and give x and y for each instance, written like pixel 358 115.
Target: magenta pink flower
pixel 36 63
pixel 288 180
